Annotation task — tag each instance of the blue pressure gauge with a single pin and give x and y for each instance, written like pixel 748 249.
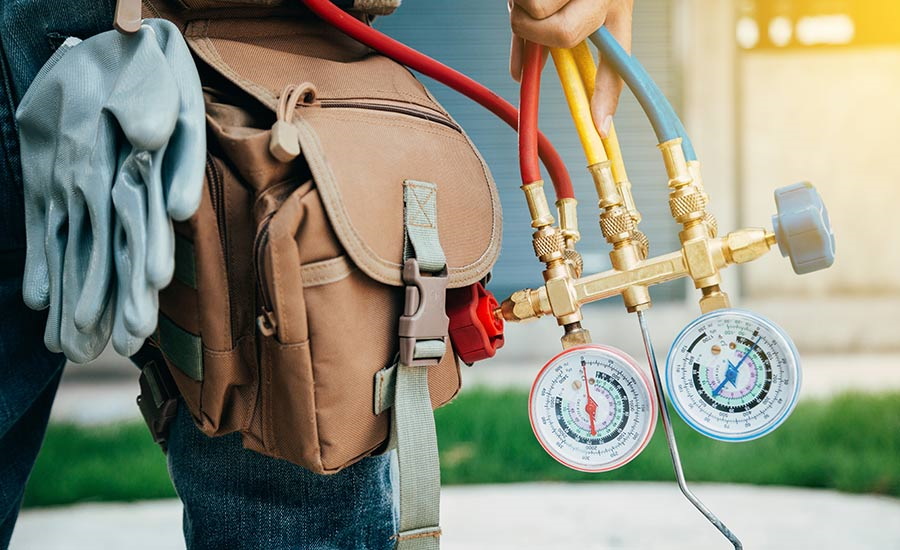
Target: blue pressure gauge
pixel 733 375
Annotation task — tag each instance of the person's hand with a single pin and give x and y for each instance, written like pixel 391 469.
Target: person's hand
pixel 565 24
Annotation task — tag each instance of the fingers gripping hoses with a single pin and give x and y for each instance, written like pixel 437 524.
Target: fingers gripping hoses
pixel 113 139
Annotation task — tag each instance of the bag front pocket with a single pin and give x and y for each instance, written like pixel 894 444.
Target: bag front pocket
pixel 327 329
pixel 206 328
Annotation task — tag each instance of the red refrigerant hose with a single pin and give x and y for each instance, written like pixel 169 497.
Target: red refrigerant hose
pixel 420 62
pixel 529 97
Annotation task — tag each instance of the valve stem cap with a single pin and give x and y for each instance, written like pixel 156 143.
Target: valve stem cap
pixel 802 228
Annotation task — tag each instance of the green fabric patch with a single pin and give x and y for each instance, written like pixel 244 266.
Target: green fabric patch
pixel 182 348
pixel 185 264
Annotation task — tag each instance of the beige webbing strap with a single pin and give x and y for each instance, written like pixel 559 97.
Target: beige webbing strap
pixel 423 333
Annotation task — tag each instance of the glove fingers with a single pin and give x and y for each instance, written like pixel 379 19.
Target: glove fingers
pixel 37 115
pixel 137 298
pixel 123 341
pixel 183 167
pixel 79 346
pixel 54 248
pixel 97 238
pixel 185 157
pixel 36 282
pixel 160 234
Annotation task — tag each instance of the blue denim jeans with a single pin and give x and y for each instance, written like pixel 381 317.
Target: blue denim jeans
pixel 239 499
pixel 29 375
pixel 233 498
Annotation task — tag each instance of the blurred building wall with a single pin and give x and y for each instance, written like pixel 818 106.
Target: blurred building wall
pixel 829 116
pixel 768 116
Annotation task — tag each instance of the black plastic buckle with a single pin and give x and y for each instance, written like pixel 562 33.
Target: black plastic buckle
pixel 424 312
pixel 158 400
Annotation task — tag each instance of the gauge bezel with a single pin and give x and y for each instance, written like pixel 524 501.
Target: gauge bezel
pixel 621 356
pixel 778 332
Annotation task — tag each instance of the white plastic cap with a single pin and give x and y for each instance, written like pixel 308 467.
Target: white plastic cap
pixel 802 228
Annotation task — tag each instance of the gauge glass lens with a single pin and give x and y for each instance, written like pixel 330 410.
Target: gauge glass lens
pixel 733 375
pixel 592 409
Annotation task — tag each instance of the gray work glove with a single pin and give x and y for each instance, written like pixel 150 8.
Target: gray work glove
pixel 113 143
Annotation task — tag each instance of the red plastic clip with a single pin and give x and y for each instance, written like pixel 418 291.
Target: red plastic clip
pixel 474 330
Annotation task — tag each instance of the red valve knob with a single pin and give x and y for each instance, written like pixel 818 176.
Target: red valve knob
pixel 476 333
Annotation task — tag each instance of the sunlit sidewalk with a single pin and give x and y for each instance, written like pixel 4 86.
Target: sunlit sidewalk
pixel 596 516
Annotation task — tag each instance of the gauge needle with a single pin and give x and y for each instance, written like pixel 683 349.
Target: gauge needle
pixel 591 407
pixel 730 376
pixel 732 372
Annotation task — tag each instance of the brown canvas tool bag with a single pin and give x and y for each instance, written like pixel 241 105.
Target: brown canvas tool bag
pixel 290 302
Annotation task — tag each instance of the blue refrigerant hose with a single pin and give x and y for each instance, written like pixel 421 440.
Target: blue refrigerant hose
pixel 663 117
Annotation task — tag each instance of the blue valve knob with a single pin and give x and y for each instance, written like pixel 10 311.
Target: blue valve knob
pixel 802 228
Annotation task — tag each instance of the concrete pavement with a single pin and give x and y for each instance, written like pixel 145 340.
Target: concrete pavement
pixel 595 516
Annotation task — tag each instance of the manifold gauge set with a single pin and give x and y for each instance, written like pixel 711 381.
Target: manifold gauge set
pixel 730 374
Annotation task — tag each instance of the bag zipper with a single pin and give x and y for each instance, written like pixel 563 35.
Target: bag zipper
pixel 217 198
pixel 389 108
pixel 266 321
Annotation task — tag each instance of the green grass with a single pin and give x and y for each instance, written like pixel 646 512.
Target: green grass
pixel 105 463
pixel 850 443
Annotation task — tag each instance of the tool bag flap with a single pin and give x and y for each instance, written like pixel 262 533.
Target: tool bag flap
pixel 363 137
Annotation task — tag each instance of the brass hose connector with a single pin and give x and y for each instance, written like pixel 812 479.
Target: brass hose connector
pixel 703 254
pixel 554 247
pixel 619 227
pixel 712 224
pixel 568 225
pixel 537 204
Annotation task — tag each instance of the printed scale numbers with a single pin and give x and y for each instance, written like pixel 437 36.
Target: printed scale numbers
pixel 733 375
pixel 592 409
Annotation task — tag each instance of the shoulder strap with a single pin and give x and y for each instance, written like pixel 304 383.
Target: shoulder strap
pixel 423 341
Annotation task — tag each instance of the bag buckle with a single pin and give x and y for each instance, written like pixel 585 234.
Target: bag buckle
pixel 424 315
pixel 158 400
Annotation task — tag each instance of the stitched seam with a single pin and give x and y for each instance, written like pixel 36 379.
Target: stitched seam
pixel 431 534
pixel 313 281
pixel 202 34
pixel 421 204
pixel 443 131
pixel 381 385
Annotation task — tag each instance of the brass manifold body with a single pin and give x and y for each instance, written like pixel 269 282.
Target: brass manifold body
pixel 702 256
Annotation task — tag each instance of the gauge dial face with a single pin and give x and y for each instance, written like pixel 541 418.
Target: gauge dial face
pixel 733 375
pixel 592 409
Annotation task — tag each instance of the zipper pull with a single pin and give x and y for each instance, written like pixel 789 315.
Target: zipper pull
pixel 127 19
pixel 284 143
pixel 266 323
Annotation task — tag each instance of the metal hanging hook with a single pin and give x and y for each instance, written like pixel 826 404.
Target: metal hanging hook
pixel 673 446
